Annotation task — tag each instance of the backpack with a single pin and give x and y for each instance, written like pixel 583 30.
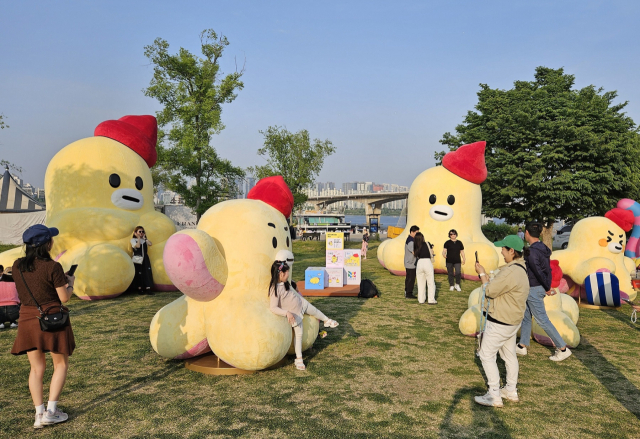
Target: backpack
pixel 367 289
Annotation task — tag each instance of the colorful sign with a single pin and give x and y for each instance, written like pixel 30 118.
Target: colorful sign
pixel 335 258
pixel 352 258
pixel 335 240
pixel 336 277
pixel 315 278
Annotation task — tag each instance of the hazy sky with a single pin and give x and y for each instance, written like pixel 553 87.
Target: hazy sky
pixel 382 80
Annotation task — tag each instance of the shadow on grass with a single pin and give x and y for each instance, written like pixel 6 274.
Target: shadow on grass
pixel 621 317
pixel 609 376
pixel 485 423
pixel 344 307
pixel 129 387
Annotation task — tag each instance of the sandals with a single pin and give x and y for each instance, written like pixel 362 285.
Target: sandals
pixel 330 324
pixel 299 364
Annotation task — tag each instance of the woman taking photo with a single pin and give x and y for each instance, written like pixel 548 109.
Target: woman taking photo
pixel 38 277
pixel 507 300
pixel 424 269
pixel 143 278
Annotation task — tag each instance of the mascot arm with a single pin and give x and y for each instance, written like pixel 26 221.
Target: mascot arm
pixel 94 224
pixel 591 266
pixel 630 264
pixel 158 226
pixel 195 265
pixel 178 330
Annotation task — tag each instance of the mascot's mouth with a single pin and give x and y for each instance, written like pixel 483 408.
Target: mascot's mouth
pixel 129 199
pixel 441 213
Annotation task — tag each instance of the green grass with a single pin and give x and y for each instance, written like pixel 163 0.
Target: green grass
pixel 392 368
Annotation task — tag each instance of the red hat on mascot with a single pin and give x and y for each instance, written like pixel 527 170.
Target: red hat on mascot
pixel 139 133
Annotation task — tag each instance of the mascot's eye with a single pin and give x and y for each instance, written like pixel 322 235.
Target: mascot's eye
pixel 139 183
pixel 432 199
pixel 451 199
pixel 114 180
pixel 288 242
pixel 608 238
pixel 274 241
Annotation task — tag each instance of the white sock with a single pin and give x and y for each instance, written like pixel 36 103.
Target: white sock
pixel 40 409
pixel 52 406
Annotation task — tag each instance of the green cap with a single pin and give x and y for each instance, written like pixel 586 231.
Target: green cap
pixel 511 241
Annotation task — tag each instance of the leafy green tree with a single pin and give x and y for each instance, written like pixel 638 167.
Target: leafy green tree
pixel 192 91
pixel 3 125
pixel 495 232
pixel 295 157
pixel 553 152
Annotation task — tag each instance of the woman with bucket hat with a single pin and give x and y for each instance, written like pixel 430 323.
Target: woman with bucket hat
pixel 42 283
pixel 507 300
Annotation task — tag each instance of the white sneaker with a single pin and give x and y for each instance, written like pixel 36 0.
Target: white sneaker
pixel 458 287
pixel 450 288
pixel 509 396
pixel 14 325
pixel 53 418
pixel 1 325
pixel 38 423
pixel 559 355
pixel 521 350
pixel 489 400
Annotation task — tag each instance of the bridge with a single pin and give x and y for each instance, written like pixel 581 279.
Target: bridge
pixel 372 201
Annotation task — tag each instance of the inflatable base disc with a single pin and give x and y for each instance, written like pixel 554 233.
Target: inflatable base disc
pixel 210 364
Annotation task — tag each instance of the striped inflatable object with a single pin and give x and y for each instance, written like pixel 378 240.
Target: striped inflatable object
pixel 603 289
pixel 633 244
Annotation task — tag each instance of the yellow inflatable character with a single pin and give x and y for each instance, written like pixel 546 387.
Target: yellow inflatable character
pixel 597 244
pixel 223 269
pixel 443 198
pixel 98 190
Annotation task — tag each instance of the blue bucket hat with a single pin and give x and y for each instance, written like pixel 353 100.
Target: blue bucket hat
pixel 39 234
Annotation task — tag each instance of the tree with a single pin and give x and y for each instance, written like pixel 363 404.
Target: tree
pixel 553 152
pixel 3 125
pixel 192 91
pixel 293 156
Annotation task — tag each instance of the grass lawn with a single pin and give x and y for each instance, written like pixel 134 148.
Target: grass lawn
pixel 392 368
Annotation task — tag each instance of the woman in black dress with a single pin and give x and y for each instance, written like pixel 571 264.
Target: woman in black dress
pixel 143 279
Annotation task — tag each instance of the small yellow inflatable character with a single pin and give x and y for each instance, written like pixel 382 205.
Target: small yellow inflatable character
pixel 443 198
pixel 98 190
pixel 223 268
pixel 596 244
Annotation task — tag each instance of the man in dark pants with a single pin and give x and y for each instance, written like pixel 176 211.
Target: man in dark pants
pixel 410 264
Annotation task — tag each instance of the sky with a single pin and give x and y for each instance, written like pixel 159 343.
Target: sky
pixel 381 80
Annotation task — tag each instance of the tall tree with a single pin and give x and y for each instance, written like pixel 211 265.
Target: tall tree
pixel 192 91
pixel 553 152
pixel 295 157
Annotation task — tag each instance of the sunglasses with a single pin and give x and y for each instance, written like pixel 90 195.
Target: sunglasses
pixel 452 234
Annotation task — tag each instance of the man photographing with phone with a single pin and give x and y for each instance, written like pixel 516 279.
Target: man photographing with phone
pixel 507 298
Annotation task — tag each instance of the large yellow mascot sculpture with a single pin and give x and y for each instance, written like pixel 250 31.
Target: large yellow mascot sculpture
pixel 98 190
pixel 443 198
pixel 223 269
pixel 597 245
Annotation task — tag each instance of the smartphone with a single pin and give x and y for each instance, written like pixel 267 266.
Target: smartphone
pixel 476 257
pixel 72 269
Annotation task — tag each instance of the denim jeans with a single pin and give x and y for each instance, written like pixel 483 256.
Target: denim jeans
pixel 535 307
pixel 9 313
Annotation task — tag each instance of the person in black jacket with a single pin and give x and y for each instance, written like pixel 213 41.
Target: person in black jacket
pixel 539 272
